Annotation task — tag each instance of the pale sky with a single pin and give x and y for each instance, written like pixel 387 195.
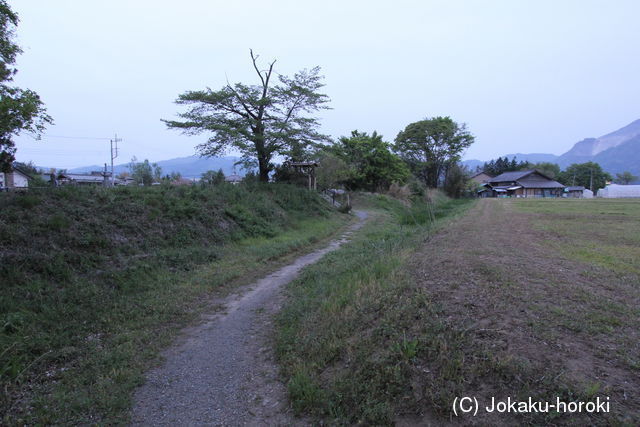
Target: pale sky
pixel 525 75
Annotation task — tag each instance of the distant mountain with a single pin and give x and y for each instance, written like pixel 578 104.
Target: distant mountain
pixel 188 167
pixel 594 146
pixel 623 157
pixel 616 152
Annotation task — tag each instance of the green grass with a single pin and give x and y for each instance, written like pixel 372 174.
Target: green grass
pixel 604 236
pixel 343 339
pixel 604 232
pixel 97 281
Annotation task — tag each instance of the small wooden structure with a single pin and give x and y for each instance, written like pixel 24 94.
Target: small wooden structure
pixel 574 192
pixel 308 169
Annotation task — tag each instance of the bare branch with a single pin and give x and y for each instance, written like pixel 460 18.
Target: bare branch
pixel 255 65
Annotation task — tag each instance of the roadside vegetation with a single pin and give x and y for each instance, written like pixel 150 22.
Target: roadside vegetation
pixel 344 338
pixel 95 281
pixel 513 299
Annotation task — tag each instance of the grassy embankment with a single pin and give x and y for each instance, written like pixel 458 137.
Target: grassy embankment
pixel 96 281
pixel 341 338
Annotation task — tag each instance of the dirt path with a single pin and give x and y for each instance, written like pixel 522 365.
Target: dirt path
pixel 222 371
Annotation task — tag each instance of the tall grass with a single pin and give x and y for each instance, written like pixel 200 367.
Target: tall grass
pixel 341 338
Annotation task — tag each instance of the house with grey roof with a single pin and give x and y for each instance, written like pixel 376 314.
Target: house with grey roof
pixel 93 178
pixel 529 183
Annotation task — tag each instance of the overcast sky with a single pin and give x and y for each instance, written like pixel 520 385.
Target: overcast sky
pixel 526 76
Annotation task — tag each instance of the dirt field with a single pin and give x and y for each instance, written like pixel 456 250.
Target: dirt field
pixel 536 298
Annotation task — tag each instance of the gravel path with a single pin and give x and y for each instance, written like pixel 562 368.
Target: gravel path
pixel 223 371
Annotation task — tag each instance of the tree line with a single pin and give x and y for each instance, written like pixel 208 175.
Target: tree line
pixel 275 119
pixel 589 174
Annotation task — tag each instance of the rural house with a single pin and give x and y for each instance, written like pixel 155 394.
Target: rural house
pixel 529 183
pixel 17 179
pixel 92 178
pixel 481 177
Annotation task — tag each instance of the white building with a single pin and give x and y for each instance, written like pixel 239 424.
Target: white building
pixel 14 180
pixel 619 191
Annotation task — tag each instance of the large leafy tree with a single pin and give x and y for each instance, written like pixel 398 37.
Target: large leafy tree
pixel 261 121
pixel 372 165
pixel 20 109
pixel 589 175
pixel 145 173
pixel 430 146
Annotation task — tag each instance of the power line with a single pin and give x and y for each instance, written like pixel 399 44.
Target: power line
pixel 76 137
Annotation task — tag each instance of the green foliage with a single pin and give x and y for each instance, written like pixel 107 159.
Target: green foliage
pixel 213 177
pixel 332 171
pixel 172 177
pixel 372 165
pixel 430 145
pixel 260 121
pixel 502 165
pixel 284 173
pixel 20 109
pixel 590 175
pixel 625 178
pixel 145 173
pixel 552 170
pixel 456 181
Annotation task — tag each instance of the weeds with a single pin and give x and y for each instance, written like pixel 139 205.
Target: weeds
pixel 342 338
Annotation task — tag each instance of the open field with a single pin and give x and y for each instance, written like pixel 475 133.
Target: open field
pixel 97 281
pixel 517 298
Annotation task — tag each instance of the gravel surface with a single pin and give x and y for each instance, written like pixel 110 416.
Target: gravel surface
pixel 223 371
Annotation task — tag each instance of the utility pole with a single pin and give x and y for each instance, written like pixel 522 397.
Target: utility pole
pixel 114 154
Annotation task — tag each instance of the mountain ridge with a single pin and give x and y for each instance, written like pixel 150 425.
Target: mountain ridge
pixel 188 167
pixel 616 152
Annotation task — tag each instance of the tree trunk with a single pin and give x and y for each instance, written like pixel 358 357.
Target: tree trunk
pixel 263 157
pixel 263 168
pixel 264 174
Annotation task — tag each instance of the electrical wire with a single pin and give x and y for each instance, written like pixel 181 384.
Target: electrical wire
pixel 77 137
